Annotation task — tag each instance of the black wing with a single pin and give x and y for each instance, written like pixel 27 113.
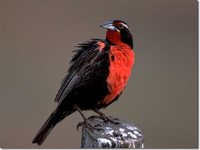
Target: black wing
pixel 86 57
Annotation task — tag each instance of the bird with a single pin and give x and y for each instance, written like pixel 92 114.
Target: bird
pixel 98 74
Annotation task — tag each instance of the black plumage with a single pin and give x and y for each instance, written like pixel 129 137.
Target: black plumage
pixel 84 85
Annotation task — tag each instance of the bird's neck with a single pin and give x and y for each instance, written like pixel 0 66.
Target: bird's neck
pixel 115 38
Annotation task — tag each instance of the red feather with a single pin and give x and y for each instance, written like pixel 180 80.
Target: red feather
pixel 120 70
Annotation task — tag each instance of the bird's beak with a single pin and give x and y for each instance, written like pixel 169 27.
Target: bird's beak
pixel 109 25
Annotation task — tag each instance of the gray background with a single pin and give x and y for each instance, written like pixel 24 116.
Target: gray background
pixel 37 39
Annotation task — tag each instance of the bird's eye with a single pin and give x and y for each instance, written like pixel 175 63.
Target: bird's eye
pixel 120 26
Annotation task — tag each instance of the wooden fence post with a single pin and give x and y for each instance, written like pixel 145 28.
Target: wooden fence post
pixel 122 135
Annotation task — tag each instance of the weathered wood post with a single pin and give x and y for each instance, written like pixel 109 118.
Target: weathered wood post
pixel 122 135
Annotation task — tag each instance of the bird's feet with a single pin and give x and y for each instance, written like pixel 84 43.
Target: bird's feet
pixel 110 119
pixel 88 125
pixel 107 119
pixel 86 121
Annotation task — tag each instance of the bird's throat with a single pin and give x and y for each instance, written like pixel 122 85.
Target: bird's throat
pixel 113 37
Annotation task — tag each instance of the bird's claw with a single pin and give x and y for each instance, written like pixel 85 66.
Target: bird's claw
pixel 89 126
pixel 79 125
pixel 110 119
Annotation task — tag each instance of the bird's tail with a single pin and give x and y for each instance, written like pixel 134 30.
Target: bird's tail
pixel 46 129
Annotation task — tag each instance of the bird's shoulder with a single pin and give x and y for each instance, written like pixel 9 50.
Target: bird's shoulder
pixel 87 57
pixel 86 52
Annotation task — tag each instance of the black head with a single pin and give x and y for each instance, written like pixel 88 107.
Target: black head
pixel 122 28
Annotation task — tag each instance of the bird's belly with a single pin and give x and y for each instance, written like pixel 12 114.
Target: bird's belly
pixel 120 69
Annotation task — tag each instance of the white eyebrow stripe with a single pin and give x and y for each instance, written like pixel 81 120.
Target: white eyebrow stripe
pixel 125 25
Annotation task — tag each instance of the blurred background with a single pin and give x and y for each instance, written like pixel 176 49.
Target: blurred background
pixel 37 40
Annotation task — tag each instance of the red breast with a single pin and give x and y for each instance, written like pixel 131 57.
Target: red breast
pixel 121 63
pixel 121 57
